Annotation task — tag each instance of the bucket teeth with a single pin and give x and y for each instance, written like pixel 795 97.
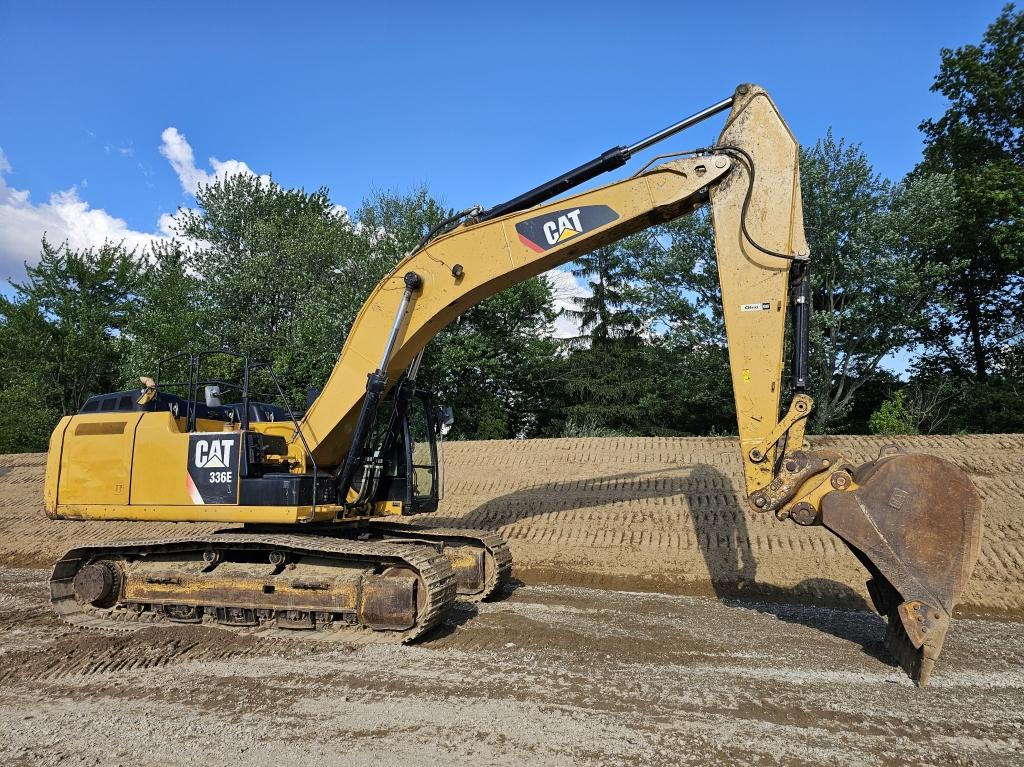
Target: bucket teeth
pixel 911 659
pixel 914 637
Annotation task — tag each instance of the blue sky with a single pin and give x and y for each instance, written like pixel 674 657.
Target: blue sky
pixel 478 101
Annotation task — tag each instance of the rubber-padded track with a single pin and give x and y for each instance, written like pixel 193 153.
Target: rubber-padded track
pixel 494 544
pixel 434 570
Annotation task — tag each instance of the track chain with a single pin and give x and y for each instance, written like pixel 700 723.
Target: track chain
pixel 433 568
pixel 493 542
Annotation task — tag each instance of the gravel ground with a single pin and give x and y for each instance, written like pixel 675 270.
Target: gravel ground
pixel 564 671
pixel 547 675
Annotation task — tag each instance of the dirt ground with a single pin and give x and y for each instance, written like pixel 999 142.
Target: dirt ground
pixel 548 675
pixel 742 658
pixel 640 514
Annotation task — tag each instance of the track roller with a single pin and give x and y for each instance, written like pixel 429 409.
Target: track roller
pixel 275 585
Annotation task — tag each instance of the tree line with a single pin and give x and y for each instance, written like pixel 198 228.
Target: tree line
pixel 923 273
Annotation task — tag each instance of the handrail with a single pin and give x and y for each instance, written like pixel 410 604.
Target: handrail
pixel 298 431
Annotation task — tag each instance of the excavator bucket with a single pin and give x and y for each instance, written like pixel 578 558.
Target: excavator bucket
pixel 914 522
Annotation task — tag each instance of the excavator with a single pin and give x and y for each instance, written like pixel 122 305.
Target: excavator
pixel 318 548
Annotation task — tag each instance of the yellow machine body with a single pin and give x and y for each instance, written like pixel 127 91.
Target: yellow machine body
pixel 134 466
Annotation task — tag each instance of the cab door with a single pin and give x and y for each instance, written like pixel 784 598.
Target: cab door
pixel 421 456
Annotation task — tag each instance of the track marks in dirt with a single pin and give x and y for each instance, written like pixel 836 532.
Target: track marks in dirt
pixel 667 514
pixel 544 676
pixel 90 654
pixel 664 514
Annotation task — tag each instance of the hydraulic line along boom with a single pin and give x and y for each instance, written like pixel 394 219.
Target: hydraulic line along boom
pixel 609 160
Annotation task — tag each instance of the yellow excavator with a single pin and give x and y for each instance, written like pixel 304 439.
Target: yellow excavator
pixel 317 551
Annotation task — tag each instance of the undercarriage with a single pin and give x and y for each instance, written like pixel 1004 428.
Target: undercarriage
pixel 373 582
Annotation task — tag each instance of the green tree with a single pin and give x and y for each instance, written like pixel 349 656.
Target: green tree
pixel 281 273
pixel 494 364
pixel 893 417
pixel 979 142
pixel 62 337
pixel 169 317
pixel 609 311
pixel 870 288
pixel 393 224
pixel 86 298
pixel 951 404
pixel 634 386
pixel 677 277
pixel 29 401
pixel 648 359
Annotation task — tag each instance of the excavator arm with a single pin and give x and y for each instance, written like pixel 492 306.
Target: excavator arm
pixel 914 521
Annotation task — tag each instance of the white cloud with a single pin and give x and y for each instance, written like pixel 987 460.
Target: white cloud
pixel 125 151
pixel 65 216
pixel 565 289
pixel 179 154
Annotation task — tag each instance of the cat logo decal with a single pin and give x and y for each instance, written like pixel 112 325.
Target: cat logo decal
pixel 550 230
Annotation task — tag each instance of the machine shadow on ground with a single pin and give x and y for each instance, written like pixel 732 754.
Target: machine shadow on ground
pixel 733 571
pixel 555 497
pixel 723 538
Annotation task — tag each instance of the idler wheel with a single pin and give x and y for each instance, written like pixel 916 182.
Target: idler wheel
pixel 98 584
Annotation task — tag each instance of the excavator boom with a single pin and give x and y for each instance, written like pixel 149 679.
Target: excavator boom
pixel 463 267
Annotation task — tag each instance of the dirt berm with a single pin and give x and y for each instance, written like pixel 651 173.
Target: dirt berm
pixel 640 514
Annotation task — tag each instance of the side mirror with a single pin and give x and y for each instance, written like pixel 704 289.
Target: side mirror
pixel 445 419
pixel 147 394
pixel 213 396
pixel 447 416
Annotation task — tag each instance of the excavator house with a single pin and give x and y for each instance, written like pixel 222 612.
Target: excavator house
pixel 315 549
